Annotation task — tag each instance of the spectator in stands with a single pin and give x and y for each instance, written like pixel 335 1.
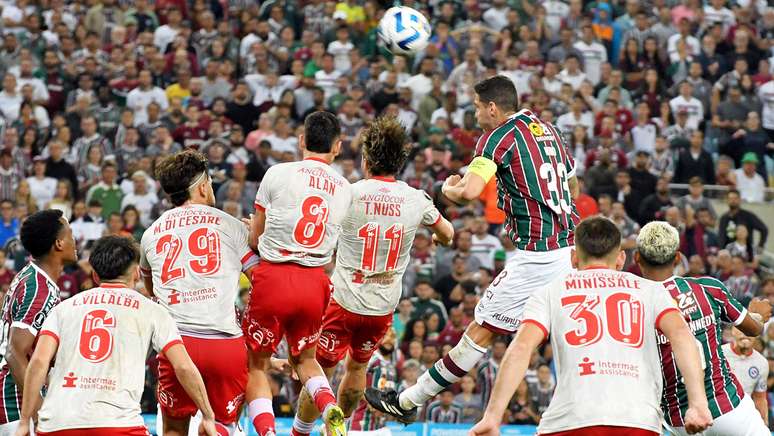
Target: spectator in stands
pixel 738 216
pixel 695 198
pixel 472 407
pixel 741 283
pixel 463 244
pixel 542 390
pixel 452 333
pixel 424 303
pixel 521 409
pixel 695 162
pixel 750 184
pixel 653 206
pixel 487 369
pixel 9 226
pixel 106 191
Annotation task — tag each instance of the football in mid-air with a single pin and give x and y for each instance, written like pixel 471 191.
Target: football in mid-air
pixel 404 30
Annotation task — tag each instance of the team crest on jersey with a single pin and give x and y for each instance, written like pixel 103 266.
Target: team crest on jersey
pixel 540 132
pixel 753 372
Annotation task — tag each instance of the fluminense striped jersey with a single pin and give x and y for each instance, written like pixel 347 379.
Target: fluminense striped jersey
pixel 29 300
pixel 533 169
pixel 436 412
pixel 705 303
pixel 487 373
pixel 381 374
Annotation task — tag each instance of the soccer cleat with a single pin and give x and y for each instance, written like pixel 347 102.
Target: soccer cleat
pixel 335 423
pixel 387 402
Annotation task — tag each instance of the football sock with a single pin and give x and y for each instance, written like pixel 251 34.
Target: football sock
pixel 321 392
pixel 301 428
pixel 447 371
pixel 261 415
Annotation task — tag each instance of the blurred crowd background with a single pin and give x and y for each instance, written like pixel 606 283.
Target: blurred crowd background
pixel 667 106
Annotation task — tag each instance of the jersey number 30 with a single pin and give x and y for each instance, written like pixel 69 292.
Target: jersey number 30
pixel 623 319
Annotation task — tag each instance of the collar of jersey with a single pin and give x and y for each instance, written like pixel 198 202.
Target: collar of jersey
pixel 113 286
pixel 316 159
pixel 383 178
pixel 595 267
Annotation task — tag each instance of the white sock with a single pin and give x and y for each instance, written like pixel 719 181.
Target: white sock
pixel 447 371
pixel 258 406
pixel 316 383
pixel 302 426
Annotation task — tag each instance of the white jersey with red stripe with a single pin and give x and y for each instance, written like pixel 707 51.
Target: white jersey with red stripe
pixel 103 338
pixel 305 203
pixel 195 255
pixel 375 244
pixel 602 326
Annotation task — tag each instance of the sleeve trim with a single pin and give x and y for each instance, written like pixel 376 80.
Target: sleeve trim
pixel 664 312
pixel 437 220
pixel 25 326
pixel 51 334
pixel 172 343
pixel 741 318
pixel 259 208
pixel 539 325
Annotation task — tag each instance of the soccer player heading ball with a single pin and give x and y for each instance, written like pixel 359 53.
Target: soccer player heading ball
pixel 536 186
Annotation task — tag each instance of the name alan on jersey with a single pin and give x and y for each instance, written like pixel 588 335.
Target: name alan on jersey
pixel 320 180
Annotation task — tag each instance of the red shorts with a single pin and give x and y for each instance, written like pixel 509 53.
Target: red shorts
pixel 288 300
pixel 344 331
pixel 222 363
pixel 604 430
pixel 104 431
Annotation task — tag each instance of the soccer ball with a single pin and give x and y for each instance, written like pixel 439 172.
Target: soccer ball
pixel 404 30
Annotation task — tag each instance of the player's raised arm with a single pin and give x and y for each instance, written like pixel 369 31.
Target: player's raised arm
pixel 697 417
pixel 758 312
pixel 509 377
pixel 462 190
pixel 34 378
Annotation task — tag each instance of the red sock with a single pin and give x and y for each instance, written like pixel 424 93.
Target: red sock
pixel 294 432
pixel 264 423
pixel 222 429
pixel 323 397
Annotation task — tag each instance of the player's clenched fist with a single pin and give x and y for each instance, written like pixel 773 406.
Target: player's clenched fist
pixel 486 427
pixel 208 428
pixel 697 419
pixel 450 182
pixel 760 306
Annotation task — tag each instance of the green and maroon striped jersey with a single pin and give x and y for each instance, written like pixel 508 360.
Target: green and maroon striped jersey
pixel 533 169
pixel 29 300
pixel 705 303
pixel 381 374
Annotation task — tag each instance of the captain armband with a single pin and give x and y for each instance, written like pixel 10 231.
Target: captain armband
pixel 483 167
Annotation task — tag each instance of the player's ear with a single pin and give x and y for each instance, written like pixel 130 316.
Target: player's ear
pixel 336 149
pixel 301 142
pixel 95 278
pixel 678 259
pixel 574 258
pixel 620 261
pixel 136 273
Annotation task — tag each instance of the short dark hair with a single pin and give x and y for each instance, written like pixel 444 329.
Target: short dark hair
pixel 321 130
pixel 597 237
pixel 733 191
pixel 177 172
pixel 500 90
pixel 40 231
pixel 112 256
pixel 384 146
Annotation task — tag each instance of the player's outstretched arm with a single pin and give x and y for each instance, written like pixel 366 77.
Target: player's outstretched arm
pixel 257 225
pixel 698 416
pixel 758 312
pixel 20 342
pixel 192 382
pixel 509 377
pixel 35 377
pixel 443 232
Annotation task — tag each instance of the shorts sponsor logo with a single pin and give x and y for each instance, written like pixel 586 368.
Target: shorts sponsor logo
pixel 307 341
pixel 753 372
pixel 506 319
pixel 234 403
pixel 327 342
pixel 367 346
pixel 263 336
pixel 166 398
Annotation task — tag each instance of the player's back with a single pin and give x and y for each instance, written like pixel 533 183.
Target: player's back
pixel 602 326
pixel 103 338
pixel 305 203
pixel 195 255
pixel 705 303
pixel 375 244
pixel 533 170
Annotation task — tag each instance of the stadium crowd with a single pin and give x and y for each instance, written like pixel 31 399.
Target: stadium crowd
pixel 647 94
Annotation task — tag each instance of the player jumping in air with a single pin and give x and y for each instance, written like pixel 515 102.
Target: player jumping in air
pixel 191 259
pixel 603 326
pixel 47 236
pixel 373 252
pixel 99 340
pixel 704 302
pixel 536 185
pixel 299 209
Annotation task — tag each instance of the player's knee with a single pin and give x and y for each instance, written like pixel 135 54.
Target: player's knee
pixel 353 365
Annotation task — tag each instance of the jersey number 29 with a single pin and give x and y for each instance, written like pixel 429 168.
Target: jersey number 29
pixel 203 245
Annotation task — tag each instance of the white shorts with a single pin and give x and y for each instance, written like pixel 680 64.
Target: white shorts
pixel 502 305
pixel 745 420
pixel 9 429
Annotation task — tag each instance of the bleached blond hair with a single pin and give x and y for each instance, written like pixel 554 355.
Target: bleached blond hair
pixel 658 243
